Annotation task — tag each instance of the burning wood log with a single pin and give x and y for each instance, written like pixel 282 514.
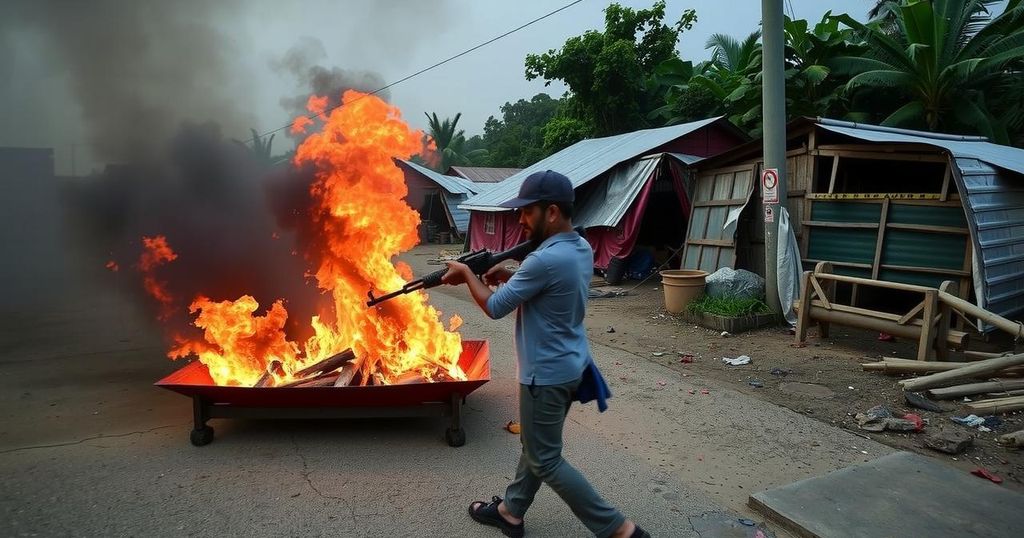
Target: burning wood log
pixel 267 379
pixel 348 372
pixel 409 378
pixel 326 380
pixel 329 364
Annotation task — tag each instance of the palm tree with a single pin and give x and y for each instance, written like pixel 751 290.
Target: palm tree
pixel 954 65
pixel 260 148
pixel 451 143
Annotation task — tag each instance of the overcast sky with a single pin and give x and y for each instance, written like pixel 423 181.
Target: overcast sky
pixel 393 39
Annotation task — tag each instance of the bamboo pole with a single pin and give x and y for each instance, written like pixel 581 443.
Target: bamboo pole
pixel 955 339
pixel 1001 405
pixel 989 366
pixel 1013 327
pixel 969 389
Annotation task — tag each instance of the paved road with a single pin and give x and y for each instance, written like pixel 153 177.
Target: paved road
pixel 88 447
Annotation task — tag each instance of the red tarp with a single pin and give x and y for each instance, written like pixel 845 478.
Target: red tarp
pixel 494 230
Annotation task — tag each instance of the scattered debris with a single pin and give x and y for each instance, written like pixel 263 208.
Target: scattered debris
pixel 747 522
pixel 610 329
pixel 512 427
pixel 686 358
pixel 725 334
pixel 920 402
pixel 886 337
pixel 987 475
pixel 705 391
pixel 755 383
pixel 781 372
pixel 948 441
pixel 879 418
pixel 662 382
pixel 658 353
pixel 691 391
pixel 738 361
pixel 594 293
pixel 972 421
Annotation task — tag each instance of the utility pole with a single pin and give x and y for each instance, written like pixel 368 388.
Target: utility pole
pixel 773 105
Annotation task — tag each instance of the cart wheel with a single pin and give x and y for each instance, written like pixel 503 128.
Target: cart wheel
pixel 455 437
pixel 202 436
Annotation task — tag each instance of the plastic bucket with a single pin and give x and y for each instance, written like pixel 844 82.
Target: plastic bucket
pixel 681 286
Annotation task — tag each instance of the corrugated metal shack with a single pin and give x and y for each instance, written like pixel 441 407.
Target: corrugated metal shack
pixel 881 203
pixel 437 197
pixel 624 183
pixel 482 174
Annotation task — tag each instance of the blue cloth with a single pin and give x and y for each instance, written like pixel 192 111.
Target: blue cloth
pixel 593 387
pixel 549 295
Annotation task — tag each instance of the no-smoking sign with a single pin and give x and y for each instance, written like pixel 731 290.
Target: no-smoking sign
pixel 770 185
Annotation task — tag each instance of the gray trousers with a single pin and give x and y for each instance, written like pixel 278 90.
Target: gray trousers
pixel 542 411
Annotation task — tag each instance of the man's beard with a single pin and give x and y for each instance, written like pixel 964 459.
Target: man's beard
pixel 538 230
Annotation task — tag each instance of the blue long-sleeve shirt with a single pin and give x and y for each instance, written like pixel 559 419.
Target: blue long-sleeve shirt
pixel 549 294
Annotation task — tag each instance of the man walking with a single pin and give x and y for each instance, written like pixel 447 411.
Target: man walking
pixel 549 295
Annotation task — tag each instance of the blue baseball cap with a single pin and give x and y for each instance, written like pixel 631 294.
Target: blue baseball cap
pixel 546 186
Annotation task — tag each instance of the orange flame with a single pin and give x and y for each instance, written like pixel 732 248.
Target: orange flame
pixel 157 252
pixel 364 223
pixel 300 124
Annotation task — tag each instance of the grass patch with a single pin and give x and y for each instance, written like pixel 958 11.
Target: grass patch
pixel 729 307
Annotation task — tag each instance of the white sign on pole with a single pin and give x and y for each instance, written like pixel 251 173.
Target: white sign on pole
pixel 769 214
pixel 770 186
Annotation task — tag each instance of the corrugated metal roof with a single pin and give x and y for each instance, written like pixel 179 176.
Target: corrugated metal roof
pixel 972 147
pixel 994 203
pixel 460 216
pixel 483 174
pixel 452 184
pixel 585 160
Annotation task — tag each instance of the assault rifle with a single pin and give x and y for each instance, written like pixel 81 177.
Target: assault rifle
pixel 479 262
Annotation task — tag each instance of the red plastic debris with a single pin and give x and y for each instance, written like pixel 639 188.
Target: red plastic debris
pixel 986 474
pixel 916 419
pixel 886 337
pixel 686 358
pixel 705 391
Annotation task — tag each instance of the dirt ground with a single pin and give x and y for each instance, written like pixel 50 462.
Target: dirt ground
pixel 825 380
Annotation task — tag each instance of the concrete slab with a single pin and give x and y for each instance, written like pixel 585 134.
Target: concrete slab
pixel 900 494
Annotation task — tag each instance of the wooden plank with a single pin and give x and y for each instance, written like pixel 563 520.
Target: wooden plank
pixel 880 239
pixel 928 228
pixel 882 156
pixel 945 313
pixel 835 171
pixel 910 315
pixel 881 148
pixel 879 283
pixel 711 242
pixel 866 196
pixel 854 265
pixel 928 330
pixel 945 183
pixel 829 224
pixel 821 293
pixel 929 270
pixel 824 327
pixel 803 316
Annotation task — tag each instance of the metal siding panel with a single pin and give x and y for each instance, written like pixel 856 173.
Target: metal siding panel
pixel 845 212
pixel 994 201
pixel 928 215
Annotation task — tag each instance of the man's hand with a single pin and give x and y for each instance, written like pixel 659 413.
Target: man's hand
pixel 458 273
pixel 497 275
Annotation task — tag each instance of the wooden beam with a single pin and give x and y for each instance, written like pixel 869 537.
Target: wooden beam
pixel 870 282
pixel 835 171
pixel 854 265
pixel 929 228
pixel 945 183
pixel 985 367
pixel 928 330
pixel 945 315
pixel 821 293
pixel 910 315
pixel 828 224
pixel 929 270
pixel 712 242
pixel 803 316
pixel 882 156
pixel 880 238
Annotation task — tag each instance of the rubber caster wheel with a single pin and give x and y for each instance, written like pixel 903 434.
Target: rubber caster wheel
pixel 202 436
pixel 455 437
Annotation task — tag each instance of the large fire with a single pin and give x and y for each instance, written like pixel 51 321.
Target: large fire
pixel 360 214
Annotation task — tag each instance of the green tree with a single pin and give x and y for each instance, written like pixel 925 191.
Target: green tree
pixel 954 67
pixel 607 72
pixel 450 142
pixel 517 139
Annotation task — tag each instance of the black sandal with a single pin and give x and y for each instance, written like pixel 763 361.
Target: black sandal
pixel 486 513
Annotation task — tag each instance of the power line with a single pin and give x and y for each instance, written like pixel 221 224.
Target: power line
pixel 438 64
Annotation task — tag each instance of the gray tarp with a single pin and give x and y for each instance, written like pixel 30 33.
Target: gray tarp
pixel 608 201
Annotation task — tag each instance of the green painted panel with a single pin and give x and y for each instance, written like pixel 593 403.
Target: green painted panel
pixel 851 271
pixel 921 249
pixel 929 215
pixel 920 279
pixel 828 211
pixel 855 245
